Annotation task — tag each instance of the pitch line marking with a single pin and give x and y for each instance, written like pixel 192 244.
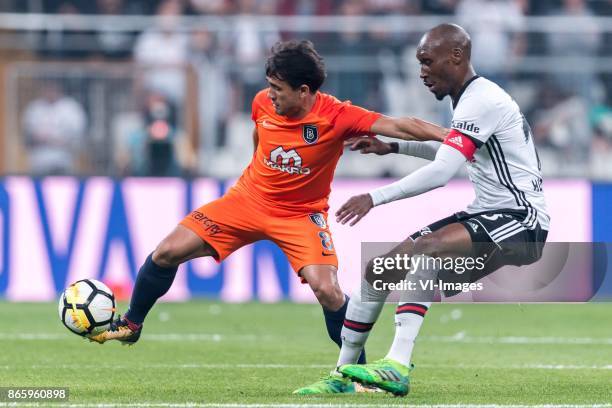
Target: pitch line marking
pixel 531 366
pixel 460 337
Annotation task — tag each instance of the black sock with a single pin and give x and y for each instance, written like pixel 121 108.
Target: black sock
pixel 334 322
pixel 152 282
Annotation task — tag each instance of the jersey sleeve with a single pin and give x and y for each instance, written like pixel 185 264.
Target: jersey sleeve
pixel 477 119
pixel 255 105
pixel 464 144
pixel 355 121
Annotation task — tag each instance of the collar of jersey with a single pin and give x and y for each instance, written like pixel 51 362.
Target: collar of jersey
pixel 463 88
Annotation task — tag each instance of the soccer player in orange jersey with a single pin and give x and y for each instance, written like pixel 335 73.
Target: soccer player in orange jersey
pixel 282 195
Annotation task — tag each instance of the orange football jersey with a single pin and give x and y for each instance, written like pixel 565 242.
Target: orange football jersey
pixel 295 160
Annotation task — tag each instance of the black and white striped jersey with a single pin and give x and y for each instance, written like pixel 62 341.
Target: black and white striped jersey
pixel 505 170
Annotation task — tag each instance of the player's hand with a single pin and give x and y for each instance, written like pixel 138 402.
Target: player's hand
pixel 368 145
pixel 354 209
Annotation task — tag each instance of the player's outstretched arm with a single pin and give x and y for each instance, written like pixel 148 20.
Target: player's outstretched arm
pixel 255 140
pixel 365 145
pixel 409 128
pixel 436 174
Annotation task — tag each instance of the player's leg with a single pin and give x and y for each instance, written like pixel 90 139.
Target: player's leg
pixel 358 323
pixel 307 243
pixel 349 326
pixel 159 269
pixel 450 241
pixel 363 313
pixel 206 231
pixel 323 281
pixel 154 279
pixel 468 237
pixel 392 372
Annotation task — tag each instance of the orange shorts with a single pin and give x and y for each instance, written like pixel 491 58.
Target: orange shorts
pixel 235 220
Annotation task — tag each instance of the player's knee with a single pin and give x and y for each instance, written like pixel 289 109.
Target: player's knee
pixel 166 255
pixel 429 245
pixel 374 273
pixel 330 296
pixel 370 275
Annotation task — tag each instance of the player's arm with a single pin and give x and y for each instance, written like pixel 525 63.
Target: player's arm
pixel 255 140
pixel 365 145
pixel 408 128
pixel 449 159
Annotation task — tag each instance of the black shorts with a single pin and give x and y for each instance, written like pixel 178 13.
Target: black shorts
pixel 498 236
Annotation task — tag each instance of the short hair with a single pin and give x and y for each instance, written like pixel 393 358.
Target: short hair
pixel 297 63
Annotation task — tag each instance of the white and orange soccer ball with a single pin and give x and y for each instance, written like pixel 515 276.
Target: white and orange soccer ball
pixel 87 307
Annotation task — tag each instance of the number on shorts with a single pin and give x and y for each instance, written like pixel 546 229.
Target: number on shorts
pixel 326 241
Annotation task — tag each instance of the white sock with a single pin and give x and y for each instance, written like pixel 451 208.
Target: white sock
pixel 360 318
pixel 410 314
pixel 408 320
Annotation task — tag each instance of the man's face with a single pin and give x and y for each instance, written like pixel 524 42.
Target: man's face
pixel 286 100
pixel 436 69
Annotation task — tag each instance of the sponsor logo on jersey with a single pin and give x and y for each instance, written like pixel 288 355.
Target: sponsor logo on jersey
pixel 318 219
pixel 210 226
pixel 268 125
pixel 310 134
pixel 457 140
pixel 465 126
pixel 425 231
pixel 286 161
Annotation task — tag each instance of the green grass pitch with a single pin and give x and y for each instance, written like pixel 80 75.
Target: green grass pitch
pixel 212 354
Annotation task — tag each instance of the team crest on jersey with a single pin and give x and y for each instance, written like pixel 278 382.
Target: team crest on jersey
pixel 318 219
pixel 310 134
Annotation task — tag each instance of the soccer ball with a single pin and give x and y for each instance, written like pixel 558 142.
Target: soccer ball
pixel 87 307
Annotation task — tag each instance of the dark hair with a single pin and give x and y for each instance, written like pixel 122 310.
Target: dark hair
pixel 297 63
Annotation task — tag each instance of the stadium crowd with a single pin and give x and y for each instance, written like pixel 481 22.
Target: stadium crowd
pixel 569 106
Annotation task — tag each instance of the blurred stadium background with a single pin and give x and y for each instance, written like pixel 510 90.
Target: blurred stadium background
pixel 107 87
pixel 119 116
